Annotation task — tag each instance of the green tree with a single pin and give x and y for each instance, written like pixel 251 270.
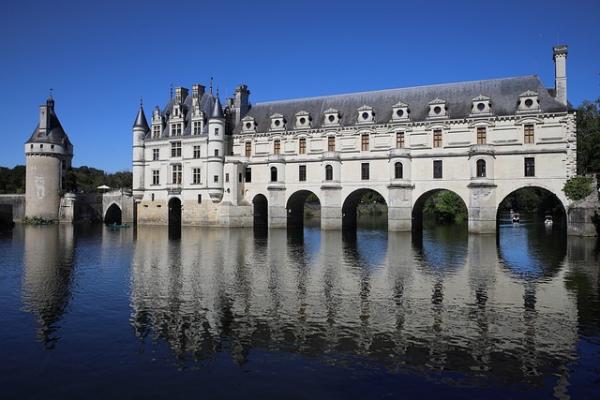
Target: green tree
pixel 445 207
pixel 588 137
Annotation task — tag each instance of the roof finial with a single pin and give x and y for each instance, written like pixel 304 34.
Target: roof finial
pixel 217 91
pixel 171 91
pixel 51 94
pixel 141 102
pixel 211 85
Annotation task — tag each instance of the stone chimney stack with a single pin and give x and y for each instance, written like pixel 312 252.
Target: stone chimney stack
pixel 241 103
pixel 45 111
pixel 560 72
pixel 197 91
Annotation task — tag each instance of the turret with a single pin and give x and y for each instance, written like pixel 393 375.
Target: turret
pixel 48 154
pixel 140 129
pixel 559 55
pixel 216 151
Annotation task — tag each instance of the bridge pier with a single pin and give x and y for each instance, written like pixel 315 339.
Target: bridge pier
pixel 400 206
pixel 482 207
pixel 277 210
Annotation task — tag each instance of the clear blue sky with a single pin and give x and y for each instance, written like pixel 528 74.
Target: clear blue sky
pixel 101 57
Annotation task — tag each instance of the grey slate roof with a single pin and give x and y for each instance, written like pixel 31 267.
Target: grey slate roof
pixel 54 134
pixel 217 111
pixel 503 93
pixel 140 120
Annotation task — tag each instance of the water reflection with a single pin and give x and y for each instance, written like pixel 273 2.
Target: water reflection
pixel 450 304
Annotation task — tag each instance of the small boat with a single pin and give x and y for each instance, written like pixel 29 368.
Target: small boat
pixel 516 218
pixel 548 221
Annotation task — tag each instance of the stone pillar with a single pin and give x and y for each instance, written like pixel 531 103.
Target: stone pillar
pixel 67 212
pixel 331 209
pixel 399 207
pixel 482 207
pixel 277 211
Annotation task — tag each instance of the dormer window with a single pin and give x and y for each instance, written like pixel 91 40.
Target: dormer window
pixel 332 117
pixel 248 124
pixel 176 129
pixel 196 128
pixel 528 102
pixel 400 112
pixel 302 120
pixel 156 129
pixel 481 105
pixel 277 122
pixel 438 109
pixel 366 115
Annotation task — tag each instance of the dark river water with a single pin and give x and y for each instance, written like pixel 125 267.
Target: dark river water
pixel 90 312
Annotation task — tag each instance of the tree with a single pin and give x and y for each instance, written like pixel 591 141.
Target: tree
pixel 588 137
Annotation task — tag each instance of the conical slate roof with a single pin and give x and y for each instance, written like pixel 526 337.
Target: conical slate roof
pixel 140 120
pixel 217 109
pixel 54 132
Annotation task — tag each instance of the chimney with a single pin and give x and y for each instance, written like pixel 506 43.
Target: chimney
pixel 197 91
pixel 560 72
pixel 241 102
pixel 180 94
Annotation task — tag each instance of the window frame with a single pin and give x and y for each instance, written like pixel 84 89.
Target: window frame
pixel 331 143
pixel 276 146
pixel 480 168
pixel 365 171
pixel 438 169
pixel 196 176
pixel 529 134
pixel 176 149
pixel 398 170
pixel 197 151
pixel 155 177
pixel 301 173
pixel 328 172
pixel 529 167
pixel 481 135
pixel 437 138
pixel 364 142
pixel 274 174
pixel 302 146
pixel 176 174
pixel 400 140
pixel 248 149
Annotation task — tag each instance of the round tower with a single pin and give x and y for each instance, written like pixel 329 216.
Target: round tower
pixel 140 129
pixel 216 151
pixel 48 155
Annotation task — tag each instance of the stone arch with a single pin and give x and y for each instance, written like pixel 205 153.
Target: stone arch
pixel 113 214
pixel 417 210
pixel 174 206
pixel 556 206
pixel 295 207
pixel 260 211
pixel 350 206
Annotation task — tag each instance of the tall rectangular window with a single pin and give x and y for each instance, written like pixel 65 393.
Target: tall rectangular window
pixel 199 199
pixel 196 176
pixel 302 173
pixel 227 177
pixel 176 129
pixel 364 171
pixel 176 176
pixel 216 152
pixel 215 178
pixel 481 135
pixel 437 138
pixel 331 143
pixel 528 134
pixel 197 151
pixel 399 140
pixel 155 154
pixel 156 131
pixel 529 166
pixel 156 177
pixel 175 149
pixel 437 169
pixel 276 146
pixel 302 146
pixel 216 131
pixel 364 142
pixel 196 127
pixel 248 149
pixel 248 173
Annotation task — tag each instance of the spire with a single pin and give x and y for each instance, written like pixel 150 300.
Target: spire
pixel 140 120
pixel 217 109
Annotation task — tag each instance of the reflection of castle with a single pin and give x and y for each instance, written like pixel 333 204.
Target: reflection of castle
pixel 48 267
pixel 397 309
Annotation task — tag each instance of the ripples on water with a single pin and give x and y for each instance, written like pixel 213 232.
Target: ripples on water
pixel 320 314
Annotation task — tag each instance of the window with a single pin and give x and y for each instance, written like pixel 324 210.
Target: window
pixel 248 177
pixel 437 169
pixel 276 146
pixel 216 178
pixel 528 133
pixel 199 198
pixel 216 152
pixel 152 197
pixel 399 140
pixel 273 174
pixel 240 177
pixel 156 131
pixel 398 170
pixel 175 149
pixel 364 171
pixel 529 166
pixel 481 168
pixel 196 151
pixel 227 177
pixel 437 138
pixel 176 174
pixel 302 146
pixel 364 142
pixel 196 127
pixel 155 154
pixel 331 143
pixel 156 177
pixel 196 177
pixel 302 173
pixel 176 129
pixel 248 149
pixel 328 173
pixel 216 131
pixel 481 135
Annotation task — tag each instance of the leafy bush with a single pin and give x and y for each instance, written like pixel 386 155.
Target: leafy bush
pixel 578 187
pixel 37 221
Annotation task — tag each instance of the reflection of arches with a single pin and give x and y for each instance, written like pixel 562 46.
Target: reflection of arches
pixel 295 208
pixel 174 213
pixel 260 211
pixel 527 198
pixel 113 215
pixel 417 211
pixel 351 203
